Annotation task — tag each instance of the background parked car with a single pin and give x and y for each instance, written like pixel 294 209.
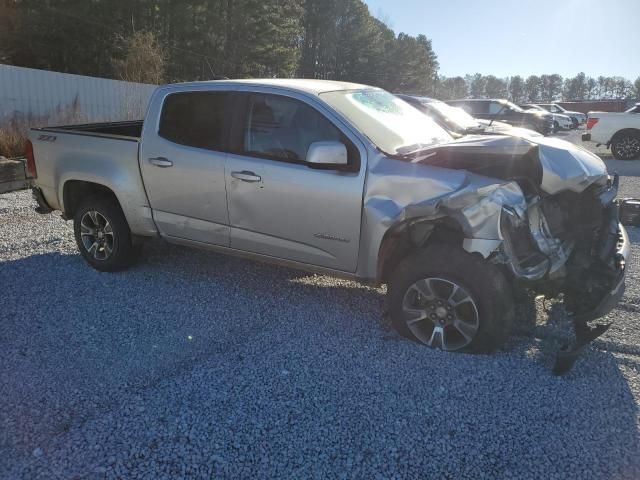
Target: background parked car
pixel 578 118
pixel 508 112
pixel 560 122
pixel 618 131
pixel 458 122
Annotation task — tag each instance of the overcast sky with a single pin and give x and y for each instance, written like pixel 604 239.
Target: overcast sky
pixel 503 38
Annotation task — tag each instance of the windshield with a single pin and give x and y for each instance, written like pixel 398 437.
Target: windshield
pixel 634 109
pixel 393 125
pixel 455 115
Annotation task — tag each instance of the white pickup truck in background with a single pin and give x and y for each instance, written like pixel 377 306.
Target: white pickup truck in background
pixel 618 131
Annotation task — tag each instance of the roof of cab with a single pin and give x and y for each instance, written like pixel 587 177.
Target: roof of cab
pixel 314 87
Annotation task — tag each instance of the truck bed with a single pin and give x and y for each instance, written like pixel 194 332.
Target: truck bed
pixel 122 130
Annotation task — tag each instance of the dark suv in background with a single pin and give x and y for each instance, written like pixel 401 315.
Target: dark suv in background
pixel 508 112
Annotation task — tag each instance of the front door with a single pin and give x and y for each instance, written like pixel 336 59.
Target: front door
pixel 278 205
pixel 182 163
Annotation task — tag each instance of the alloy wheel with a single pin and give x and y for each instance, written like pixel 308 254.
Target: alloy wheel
pixel 441 314
pixel 97 235
pixel 628 147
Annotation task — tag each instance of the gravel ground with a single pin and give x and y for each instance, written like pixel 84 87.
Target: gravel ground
pixel 196 365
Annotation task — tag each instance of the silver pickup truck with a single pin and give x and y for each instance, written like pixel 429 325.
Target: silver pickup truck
pixel 351 181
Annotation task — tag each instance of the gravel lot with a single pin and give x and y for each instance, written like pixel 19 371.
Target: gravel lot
pixel 195 365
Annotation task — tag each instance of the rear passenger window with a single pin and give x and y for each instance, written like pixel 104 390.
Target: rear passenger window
pixel 282 128
pixel 195 119
pixel 496 107
pixel 475 108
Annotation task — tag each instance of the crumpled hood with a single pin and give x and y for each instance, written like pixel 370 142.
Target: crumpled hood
pixel 552 164
pixel 566 166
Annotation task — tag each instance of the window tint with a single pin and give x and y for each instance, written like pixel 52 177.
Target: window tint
pixel 496 108
pixel 195 119
pixel 283 128
pixel 475 108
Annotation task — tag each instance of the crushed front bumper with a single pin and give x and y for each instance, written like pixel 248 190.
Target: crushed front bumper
pixel 609 298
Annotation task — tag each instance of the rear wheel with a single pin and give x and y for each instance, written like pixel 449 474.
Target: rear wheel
pixel 626 146
pixel 449 299
pixel 102 234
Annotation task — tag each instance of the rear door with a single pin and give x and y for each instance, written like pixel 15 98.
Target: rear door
pixel 182 160
pixel 278 205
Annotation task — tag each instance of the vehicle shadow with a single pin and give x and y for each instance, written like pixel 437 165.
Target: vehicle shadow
pixel 75 340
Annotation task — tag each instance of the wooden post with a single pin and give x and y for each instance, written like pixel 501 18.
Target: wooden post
pixel 13 176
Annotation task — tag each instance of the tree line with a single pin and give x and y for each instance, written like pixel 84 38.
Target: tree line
pixel 537 88
pixel 156 41
pixel 170 40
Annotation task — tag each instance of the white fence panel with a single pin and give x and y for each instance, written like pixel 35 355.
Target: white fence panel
pixel 40 95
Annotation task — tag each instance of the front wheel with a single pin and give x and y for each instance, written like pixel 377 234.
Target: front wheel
pixel 626 146
pixel 446 298
pixel 102 234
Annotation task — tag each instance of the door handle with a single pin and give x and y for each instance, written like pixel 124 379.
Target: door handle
pixel 246 176
pixel 161 162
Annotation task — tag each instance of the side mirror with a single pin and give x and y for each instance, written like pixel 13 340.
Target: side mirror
pixel 327 155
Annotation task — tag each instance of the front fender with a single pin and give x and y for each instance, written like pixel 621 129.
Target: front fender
pixel 396 194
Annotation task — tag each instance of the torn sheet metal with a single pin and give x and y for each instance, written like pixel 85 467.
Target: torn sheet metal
pixel 474 181
pixel 398 191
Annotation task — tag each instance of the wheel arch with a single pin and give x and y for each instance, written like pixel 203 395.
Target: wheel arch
pixel 619 133
pixel 75 191
pixel 416 233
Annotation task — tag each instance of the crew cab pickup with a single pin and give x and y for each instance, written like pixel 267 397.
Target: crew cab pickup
pixel 618 131
pixel 347 180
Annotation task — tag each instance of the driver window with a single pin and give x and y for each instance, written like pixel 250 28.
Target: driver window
pixel 282 128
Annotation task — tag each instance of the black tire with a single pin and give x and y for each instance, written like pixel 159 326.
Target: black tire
pixel 556 127
pixel 626 146
pixel 118 251
pixel 575 123
pixel 484 282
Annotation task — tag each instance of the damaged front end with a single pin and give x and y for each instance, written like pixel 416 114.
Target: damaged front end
pixel 552 222
pixel 572 244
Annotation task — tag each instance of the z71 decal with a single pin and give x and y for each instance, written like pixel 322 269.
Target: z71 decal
pixel 47 138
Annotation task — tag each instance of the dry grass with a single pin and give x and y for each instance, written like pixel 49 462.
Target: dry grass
pixel 12 138
pixel 14 129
